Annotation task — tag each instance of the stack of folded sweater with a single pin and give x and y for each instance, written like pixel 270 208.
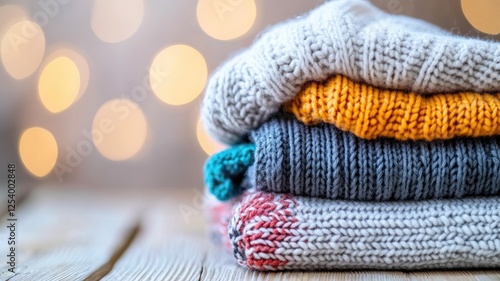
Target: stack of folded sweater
pixel 361 140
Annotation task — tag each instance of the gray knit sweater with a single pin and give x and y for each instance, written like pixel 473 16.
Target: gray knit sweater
pixel 322 161
pixel 349 37
pixel 276 232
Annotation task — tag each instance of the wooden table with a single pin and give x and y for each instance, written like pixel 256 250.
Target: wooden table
pixel 142 234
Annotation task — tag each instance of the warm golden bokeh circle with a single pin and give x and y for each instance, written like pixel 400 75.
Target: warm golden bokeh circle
pixel 59 84
pixel 207 143
pixel 65 50
pixel 22 49
pixel 178 74
pixel 226 19
pixel 116 20
pixel 119 129
pixel 484 15
pixel 38 151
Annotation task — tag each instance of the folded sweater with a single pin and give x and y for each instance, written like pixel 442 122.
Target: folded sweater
pixel 322 161
pixel 348 37
pixel 276 232
pixel 370 112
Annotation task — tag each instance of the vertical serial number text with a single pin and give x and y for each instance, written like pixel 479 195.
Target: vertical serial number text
pixel 11 217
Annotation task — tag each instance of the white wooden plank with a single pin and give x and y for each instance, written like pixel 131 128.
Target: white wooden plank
pixel 489 275
pixel 66 234
pixel 170 246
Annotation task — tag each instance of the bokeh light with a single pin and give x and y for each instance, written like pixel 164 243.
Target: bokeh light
pixel 22 49
pixel 59 84
pixel 484 15
pixel 116 20
pixel 178 74
pixel 80 62
pixel 10 14
pixel 207 143
pixel 119 129
pixel 226 19
pixel 38 151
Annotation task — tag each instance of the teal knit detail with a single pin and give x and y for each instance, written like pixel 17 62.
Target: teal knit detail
pixel 225 170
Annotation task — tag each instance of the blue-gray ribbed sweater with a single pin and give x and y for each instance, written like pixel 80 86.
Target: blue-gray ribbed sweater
pixel 323 161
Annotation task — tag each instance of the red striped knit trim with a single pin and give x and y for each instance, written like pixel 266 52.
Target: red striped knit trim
pixel 258 213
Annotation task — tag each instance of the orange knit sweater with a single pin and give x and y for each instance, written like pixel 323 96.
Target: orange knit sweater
pixel 370 112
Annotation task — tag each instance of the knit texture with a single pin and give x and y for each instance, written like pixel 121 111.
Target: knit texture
pixel 348 37
pixel 224 173
pixel 323 161
pixel 276 232
pixel 370 112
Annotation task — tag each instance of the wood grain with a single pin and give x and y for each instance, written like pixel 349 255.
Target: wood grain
pixel 65 234
pixel 169 247
pixel 474 275
pixel 102 271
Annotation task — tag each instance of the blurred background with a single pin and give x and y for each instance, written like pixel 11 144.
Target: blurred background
pixel 106 93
